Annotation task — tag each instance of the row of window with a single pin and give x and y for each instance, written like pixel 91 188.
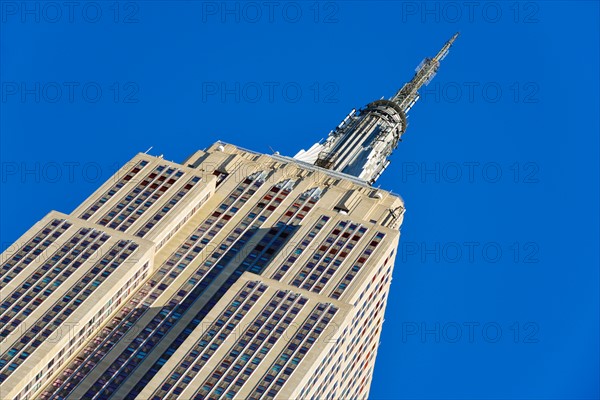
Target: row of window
pixel 282 230
pixel 252 347
pixel 32 249
pixel 367 338
pixel 189 215
pixel 140 198
pixel 77 338
pixel 35 335
pixel 325 261
pixel 360 261
pixel 296 349
pixel 47 278
pixel 113 190
pixel 210 341
pixel 163 211
pixel 347 344
pixel 361 347
pixel 304 243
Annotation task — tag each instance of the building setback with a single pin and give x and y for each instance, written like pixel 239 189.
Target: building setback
pixel 232 275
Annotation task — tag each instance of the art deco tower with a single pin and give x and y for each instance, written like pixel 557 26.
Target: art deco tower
pixel 232 275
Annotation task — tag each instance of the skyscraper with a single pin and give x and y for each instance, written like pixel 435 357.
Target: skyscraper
pixel 232 275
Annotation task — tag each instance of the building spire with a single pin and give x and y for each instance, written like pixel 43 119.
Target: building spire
pixel 408 95
pixel 444 51
pixel 361 144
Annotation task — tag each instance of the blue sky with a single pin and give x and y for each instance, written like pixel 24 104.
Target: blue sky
pixel 495 291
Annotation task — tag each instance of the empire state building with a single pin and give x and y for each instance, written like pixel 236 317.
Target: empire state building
pixel 232 275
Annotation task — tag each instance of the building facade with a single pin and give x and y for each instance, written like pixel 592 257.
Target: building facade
pixel 232 275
